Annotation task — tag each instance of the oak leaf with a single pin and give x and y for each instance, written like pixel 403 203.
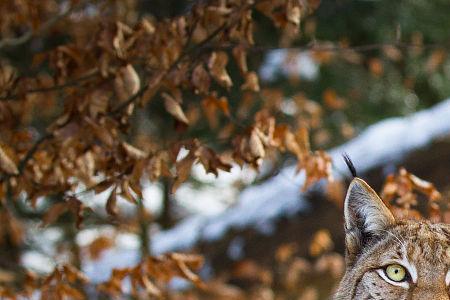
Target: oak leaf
pixel 256 145
pixel 174 108
pixel 321 242
pixel 217 66
pixel 251 82
pixel 211 161
pixel 183 169
pixel 127 82
pixel 201 79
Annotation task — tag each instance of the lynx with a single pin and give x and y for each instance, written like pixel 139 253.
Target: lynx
pixel 388 258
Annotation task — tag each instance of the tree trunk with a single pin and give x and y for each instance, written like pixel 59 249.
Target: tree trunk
pixel 166 220
pixel 143 232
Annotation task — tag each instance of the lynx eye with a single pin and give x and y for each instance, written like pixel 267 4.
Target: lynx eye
pixel 396 272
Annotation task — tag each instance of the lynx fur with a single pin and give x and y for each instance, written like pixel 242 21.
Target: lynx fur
pixel 375 240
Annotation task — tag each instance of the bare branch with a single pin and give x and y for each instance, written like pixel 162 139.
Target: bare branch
pixel 70 83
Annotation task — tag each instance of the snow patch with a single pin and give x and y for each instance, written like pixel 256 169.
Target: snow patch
pixel 261 205
pixel 288 63
pixel 382 143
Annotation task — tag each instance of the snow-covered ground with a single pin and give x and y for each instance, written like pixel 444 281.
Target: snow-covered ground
pixel 259 206
pixel 289 63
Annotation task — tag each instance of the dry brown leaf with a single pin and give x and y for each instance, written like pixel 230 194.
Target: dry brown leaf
pixel 201 80
pixel 98 103
pixel 105 135
pixel 310 293
pixel 336 192
pixel 211 161
pixel 332 100
pixel 69 292
pixel 425 187
pixel 210 106
pixel 125 192
pixel 392 53
pixel 401 213
pixel 77 208
pixel 7 277
pixel 136 187
pixel 320 243
pixel 293 13
pixel 256 145
pixel 133 152
pixel 217 66
pixel 402 190
pixel 152 88
pixel 174 108
pixel 250 270
pixel 182 263
pixel 376 67
pixel 183 168
pixel 285 252
pixel 222 103
pixel 151 288
pixel 54 213
pixel 6 163
pixel 127 82
pixel 111 203
pixel 435 60
pixel 240 55
pixel 331 263
pixel 73 274
pixel 251 82
pixel 99 245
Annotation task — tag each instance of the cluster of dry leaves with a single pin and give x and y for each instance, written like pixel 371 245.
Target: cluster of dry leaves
pixel 87 106
pixel 74 114
pixel 148 279
pixel 89 90
pixel 411 197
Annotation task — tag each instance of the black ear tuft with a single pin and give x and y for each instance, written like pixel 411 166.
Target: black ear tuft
pixel 350 165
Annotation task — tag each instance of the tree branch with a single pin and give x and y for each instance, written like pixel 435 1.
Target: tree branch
pixel 333 48
pixel 312 47
pixel 173 66
pixel 22 163
pixel 70 83
pixel 191 51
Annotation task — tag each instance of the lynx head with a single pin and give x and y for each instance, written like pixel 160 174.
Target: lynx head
pixel 388 258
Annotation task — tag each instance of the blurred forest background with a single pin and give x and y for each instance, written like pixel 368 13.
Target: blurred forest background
pixel 127 123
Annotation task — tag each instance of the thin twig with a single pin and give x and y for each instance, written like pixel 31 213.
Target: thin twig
pixel 333 48
pixel 172 67
pixel 70 83
pixel 360 48
pixel 29 155
pixel 193 50
pixel 22 163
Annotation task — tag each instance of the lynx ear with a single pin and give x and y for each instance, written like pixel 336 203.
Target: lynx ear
pixel 366 216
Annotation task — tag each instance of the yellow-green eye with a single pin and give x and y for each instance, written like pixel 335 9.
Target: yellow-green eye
pixel 395 272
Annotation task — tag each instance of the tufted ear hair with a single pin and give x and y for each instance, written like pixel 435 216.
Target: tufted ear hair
pixel 366 217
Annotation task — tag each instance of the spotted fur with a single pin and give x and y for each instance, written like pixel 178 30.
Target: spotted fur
pixel 374 239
